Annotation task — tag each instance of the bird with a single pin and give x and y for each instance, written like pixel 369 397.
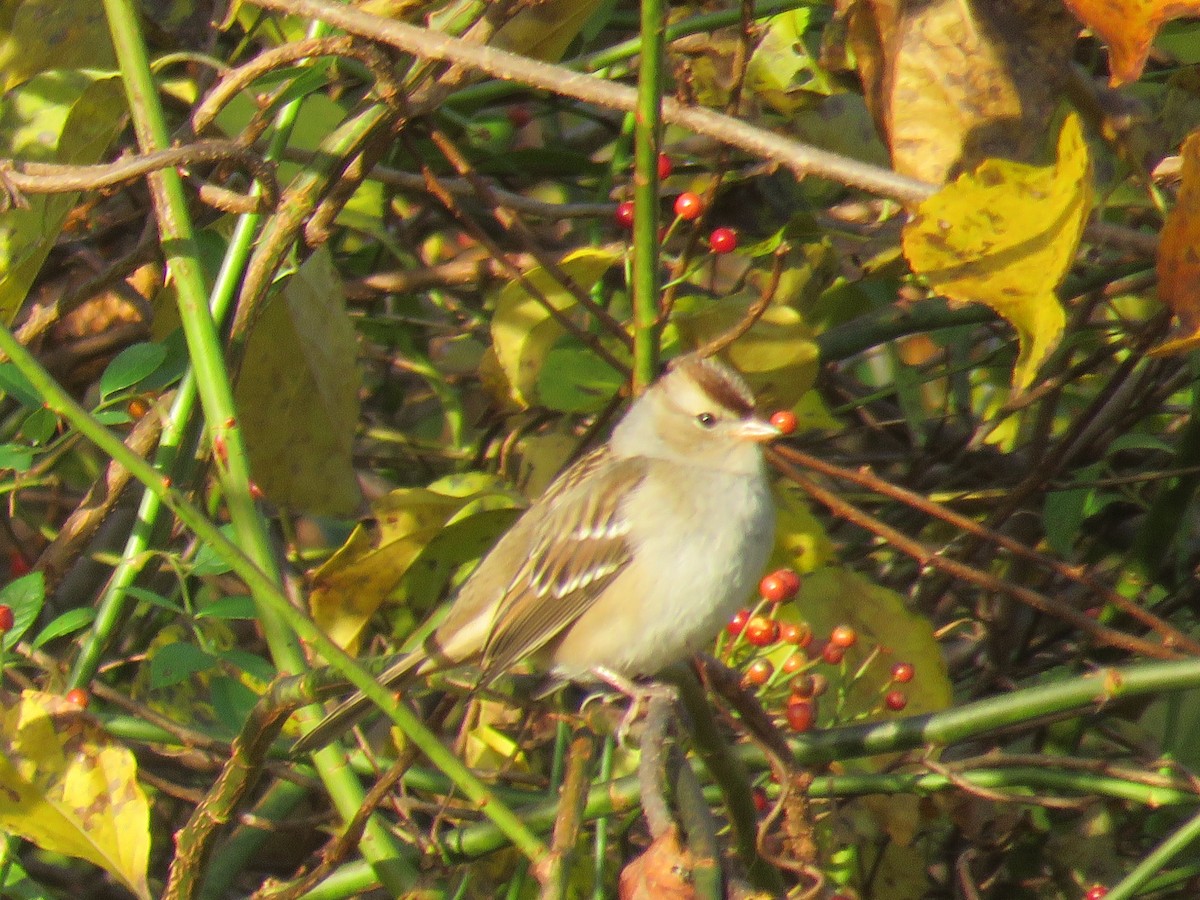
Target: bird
pixel 631 560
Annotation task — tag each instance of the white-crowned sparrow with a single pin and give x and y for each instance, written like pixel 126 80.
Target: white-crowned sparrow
pixel 631 560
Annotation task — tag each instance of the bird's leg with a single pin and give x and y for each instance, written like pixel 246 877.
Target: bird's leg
pixel 639 695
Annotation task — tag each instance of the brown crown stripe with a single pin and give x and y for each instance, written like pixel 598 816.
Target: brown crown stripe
pixel 724 386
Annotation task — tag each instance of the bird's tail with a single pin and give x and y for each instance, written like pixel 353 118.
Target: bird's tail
pixel 343 717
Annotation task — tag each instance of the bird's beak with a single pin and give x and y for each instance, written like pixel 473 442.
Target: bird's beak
pixel 757 430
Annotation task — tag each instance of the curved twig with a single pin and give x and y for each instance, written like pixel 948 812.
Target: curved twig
pixel 18 178
pixel 237 80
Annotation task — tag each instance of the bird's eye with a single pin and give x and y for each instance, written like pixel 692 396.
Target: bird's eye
pixel 707 419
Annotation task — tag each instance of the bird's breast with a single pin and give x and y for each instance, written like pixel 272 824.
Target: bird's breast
pixel 699 545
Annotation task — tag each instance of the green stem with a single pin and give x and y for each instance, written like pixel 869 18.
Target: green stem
pixel 1156 860
pixel 262 586
pixel 646 139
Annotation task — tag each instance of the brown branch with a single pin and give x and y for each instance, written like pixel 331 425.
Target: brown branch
pixel 801 159
pixel 928 558
pixel 1172 637
pixel 18 178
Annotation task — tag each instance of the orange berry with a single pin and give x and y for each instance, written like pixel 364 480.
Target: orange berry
pixel 784 420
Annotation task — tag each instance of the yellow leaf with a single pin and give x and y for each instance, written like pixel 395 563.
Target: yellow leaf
pixel 523 331
pixel 545 30
pixel 777 355
pixel 355 581
pixel 1005 235
pixel 69 789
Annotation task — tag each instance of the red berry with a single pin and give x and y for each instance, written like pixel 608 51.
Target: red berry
pixel 137 408
pixel 843 636
pixel 738 622
pixel 761 803
pixel 796 633
pixel 6 619
pixel 784 420
pixel 800 715
pixel 688 206
pixel 780 585
pixel 665 166
pixel 78 697
pixel 804 687
pixel 833 653
pixel 519 115
pixel 758 673
pixel 794 663
pixel 902 672
pixel 18 565
pixel 625 213
pixel 820 684
pixel 895 700
pixel 1095 892
pixel 723 240
pixel 761 631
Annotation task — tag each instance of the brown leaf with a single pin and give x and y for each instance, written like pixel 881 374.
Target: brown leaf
pixel 952 83
pixel 663 872
pixel 1178 259
pixel 1129 27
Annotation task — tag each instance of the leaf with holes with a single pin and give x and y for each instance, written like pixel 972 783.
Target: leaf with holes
pixel 1006 235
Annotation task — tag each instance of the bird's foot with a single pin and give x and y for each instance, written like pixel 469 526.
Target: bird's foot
pixel 639 694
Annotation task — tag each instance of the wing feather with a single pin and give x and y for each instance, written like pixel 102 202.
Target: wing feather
pixel 582 546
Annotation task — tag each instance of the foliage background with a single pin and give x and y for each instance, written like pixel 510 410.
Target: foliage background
pixel 304 301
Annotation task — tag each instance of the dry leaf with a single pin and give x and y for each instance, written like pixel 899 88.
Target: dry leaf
pixel 1178 259
pixel 663 872
pixel 952 83
pixel 1128 28
pixel 1006 235
pixel 71 789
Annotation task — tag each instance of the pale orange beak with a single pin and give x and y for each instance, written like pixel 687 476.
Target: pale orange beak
pixel 756 430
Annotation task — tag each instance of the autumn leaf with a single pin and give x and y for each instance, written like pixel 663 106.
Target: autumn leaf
pixel 408 525
pixel 1006 235
pixel 1128 28
pixel 951 83
pixel 70 789
pixel 524 331
pixel 1178 260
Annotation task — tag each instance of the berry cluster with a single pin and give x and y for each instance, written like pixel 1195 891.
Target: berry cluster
pixel 688 206
pixel 795 681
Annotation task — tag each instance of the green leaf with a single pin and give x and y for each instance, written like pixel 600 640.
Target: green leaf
pixel 68 116
pixel 251 663
pixel 232 702
pixel 38 35
pixel 39 426
pixel 523 332
pixel 177 662
pixel 130 366
pixel 208 561
pixel 297 395
pixel 575 380
pixel 14 383
pixel 17 457
pixel 68 623
pixel 235 607
pixel 25 595
pixel 112 417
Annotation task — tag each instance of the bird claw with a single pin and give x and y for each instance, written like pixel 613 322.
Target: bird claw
pixel 640 696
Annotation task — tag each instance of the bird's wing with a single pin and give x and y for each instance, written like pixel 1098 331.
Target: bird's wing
pixel 580 548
